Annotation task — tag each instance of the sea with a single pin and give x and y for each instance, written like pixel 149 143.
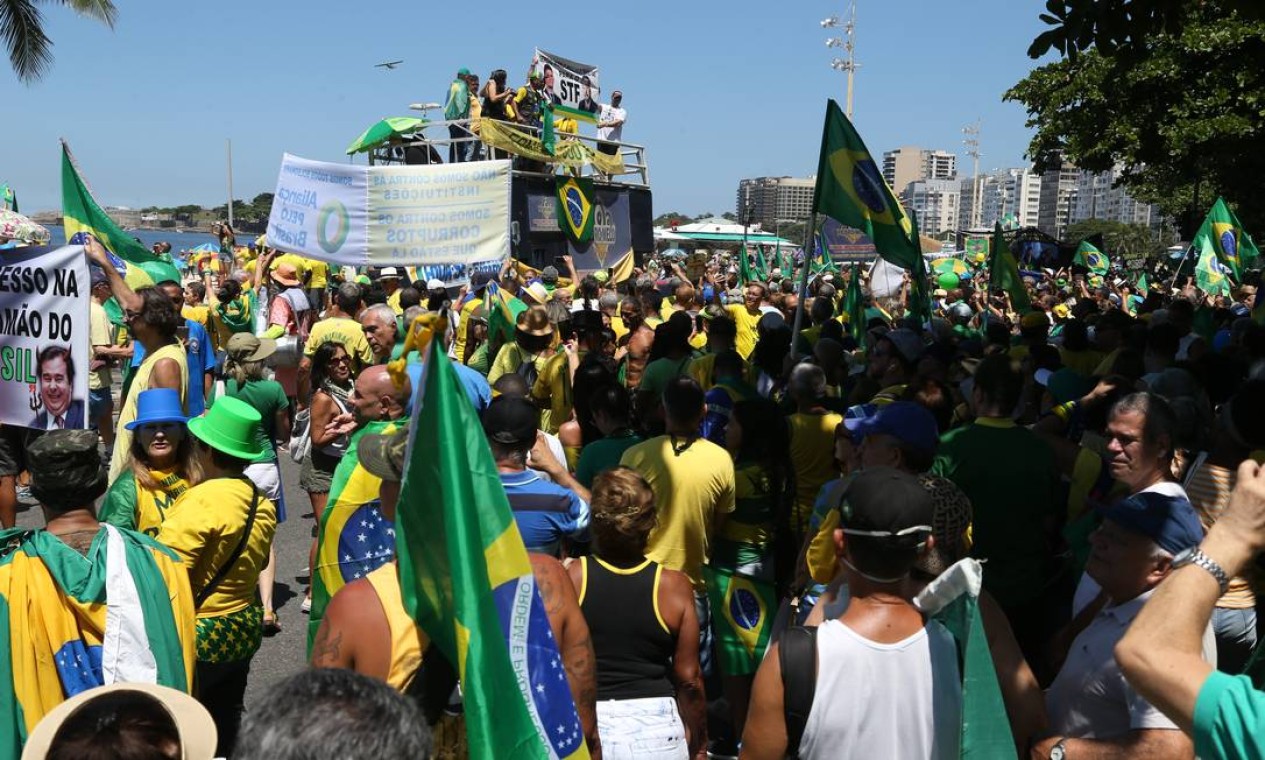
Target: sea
pixel 180 241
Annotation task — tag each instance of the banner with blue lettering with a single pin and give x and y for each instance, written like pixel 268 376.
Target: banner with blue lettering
pixel 455 216
pixel 44 337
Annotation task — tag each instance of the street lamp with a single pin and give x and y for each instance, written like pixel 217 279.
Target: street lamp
pixel 847 64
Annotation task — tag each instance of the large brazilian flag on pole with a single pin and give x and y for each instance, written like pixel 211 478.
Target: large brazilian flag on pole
pixel 466 579
pixel 81 215
pixel 851 190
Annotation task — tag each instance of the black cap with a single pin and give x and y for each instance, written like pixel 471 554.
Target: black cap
pixel 511 421
pixel 884 502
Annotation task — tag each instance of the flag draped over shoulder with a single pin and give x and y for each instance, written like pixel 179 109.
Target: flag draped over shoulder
pixel 81 215
pixel 952 600
pixel 1228 242
pixel 744 609
pixel 1003 273
pixel 851 190
pixel 575 208
pixel 354 538
pixel 466 579
pixel 58 637
pixel 1088 256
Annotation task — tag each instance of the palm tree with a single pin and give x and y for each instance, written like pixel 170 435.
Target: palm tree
pixel 22 29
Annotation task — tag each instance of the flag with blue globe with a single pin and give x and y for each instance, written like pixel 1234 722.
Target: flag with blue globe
pixel 575 208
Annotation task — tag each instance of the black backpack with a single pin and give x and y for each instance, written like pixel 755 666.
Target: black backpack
pixel 797 654
pixel 527 370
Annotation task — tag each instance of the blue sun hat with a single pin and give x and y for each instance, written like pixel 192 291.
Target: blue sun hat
pixel 158 405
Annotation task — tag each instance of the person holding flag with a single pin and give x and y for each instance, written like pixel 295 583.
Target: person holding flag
pixel 1088 256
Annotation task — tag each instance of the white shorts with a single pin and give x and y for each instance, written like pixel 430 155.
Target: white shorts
pixel 641 729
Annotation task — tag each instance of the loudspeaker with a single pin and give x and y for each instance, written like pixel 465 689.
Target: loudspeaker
pixel 641 219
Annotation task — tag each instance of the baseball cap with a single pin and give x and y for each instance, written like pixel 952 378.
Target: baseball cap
pixel 908 422
pixel 855 415
pixel 1169 521
pixel 511 421
pixel 193 723
pixel 382 454
pixel 549 274
pixel 883 502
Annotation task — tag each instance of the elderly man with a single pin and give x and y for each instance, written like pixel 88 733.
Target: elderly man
pixel 354 538
pixel 382 330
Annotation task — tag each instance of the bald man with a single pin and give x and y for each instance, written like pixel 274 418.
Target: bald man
pixel 373 399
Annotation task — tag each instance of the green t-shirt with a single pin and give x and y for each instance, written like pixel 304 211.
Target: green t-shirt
pixel 267 397
pixel 1228 716
pixel 1010 477
pixel 602 454
pixel 660 372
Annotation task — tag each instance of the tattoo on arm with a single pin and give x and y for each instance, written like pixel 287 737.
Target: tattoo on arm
pixel 549 594
pixel 326 650
pixel 580 662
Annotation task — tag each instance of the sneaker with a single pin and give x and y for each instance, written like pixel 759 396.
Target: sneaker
pixel 306 607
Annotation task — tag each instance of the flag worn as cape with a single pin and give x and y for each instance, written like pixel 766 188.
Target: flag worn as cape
pixel 1003 273
pixel 1224 235
pixel 1088 256
pixel 354 538
pixel 851 190
pixel 82 216
pixel 743 610
pixel 69 622
pixel 466 579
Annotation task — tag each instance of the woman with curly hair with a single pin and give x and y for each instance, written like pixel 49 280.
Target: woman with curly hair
pixel 644 628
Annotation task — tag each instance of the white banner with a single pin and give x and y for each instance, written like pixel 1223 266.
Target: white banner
pixel 570 86
pixel 44 341
pixel 446 218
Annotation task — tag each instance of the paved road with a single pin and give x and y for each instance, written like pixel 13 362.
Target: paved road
pixel 284 653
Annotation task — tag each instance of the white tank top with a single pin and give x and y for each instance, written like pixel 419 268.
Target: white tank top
pixel 901 700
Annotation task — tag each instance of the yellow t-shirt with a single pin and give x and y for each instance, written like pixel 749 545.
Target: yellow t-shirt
pixel 393 301
pixel 130 505
pixel 812 452
pixel 299 263
pixel 100 333
pixel 702 370
pixel 199 314
pixel 205 525
pixel 343 330
pixel 746 322
pixel 691 487
pixel 459 341
pixel 510 358
pixel 553 387
pixel 617 324
pixel 320 273
pixel 140 382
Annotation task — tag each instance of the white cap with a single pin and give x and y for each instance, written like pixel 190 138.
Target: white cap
pixel 434 284
pixel 389 272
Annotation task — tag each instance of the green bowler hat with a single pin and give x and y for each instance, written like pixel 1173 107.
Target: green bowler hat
pixel 230 426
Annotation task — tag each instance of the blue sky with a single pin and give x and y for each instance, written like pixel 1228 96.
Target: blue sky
pixel 717 91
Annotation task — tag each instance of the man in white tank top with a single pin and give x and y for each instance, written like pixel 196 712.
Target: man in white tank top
pixel 888 682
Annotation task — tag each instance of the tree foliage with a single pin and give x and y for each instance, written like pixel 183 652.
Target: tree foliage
pixel 1184 114
pixel 1126 241
pixel 1118 27
pixel 29 48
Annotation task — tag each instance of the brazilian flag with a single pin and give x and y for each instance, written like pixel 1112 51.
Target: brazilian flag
pixel 851 190
pixel 575 208
pixel 919 306
pixel 1003 273
pixel 743 618
pixel 466 579
pixel 854 305
pixel 1212 274
pixel 745 272
pixel 1225 237
pixel 354 538
pixel 1088 256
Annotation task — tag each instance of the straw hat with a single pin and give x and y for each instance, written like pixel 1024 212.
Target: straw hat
pixel 535 322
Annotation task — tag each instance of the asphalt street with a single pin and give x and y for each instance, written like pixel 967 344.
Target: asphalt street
pixel 285 653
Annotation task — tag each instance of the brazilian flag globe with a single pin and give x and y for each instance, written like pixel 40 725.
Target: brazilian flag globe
pixel 851 190
pixel 575 208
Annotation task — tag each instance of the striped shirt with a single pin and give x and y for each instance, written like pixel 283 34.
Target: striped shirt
pixel 1209 486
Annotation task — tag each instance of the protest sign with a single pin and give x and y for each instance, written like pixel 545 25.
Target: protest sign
pixel 570 86
pixel 450 217
pixel 44 337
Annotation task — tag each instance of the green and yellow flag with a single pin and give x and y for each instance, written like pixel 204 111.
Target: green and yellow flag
pixel 745 273
pixel 1143 286
pixel 1212 274
pixel 1225 237
pixel 1003 273
pixel 854 305
pixel 919 306
pixel 1088 256
pixel 744 611
pixel 82 216
pixel 56 606
pixel 851 190
pixel 575 208
pixel 466 580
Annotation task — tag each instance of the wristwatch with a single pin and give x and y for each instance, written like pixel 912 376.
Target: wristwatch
pixel 1058 751
pixel 1193 556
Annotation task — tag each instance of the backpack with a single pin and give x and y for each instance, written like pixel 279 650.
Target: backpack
pixel 527 370
pixel 797 654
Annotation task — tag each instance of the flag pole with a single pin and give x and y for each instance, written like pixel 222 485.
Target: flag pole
pixel 1180 262
pixel 802 290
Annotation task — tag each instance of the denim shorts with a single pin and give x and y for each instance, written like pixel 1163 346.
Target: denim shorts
pixel 98 400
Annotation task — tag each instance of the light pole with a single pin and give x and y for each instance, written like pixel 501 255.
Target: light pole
pixel 848 64
pixel 971 141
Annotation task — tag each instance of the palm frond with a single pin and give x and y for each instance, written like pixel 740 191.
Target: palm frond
pixel 28 48
pixel 98 10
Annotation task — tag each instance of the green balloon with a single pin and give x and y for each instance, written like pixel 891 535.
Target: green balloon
pixel 948 281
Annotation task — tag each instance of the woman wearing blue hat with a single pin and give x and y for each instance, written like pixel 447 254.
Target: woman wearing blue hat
pixel 222 529
pixel 162 465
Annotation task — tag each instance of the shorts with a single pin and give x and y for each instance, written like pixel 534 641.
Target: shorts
pixel 641 729
pixel 267 477
pixel 317 474
pixel 99 399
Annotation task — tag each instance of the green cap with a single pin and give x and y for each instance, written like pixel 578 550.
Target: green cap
pixel 463 72
pixel 230 426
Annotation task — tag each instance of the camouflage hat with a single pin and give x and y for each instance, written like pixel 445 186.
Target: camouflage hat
pixel 66 468
pixel 383 454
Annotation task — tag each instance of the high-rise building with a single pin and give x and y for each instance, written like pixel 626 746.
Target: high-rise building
pixel 1058 198
pixel 936 203
pixel 776 199
pixel 1011 196
pixel 1097 197
pixel 911 164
